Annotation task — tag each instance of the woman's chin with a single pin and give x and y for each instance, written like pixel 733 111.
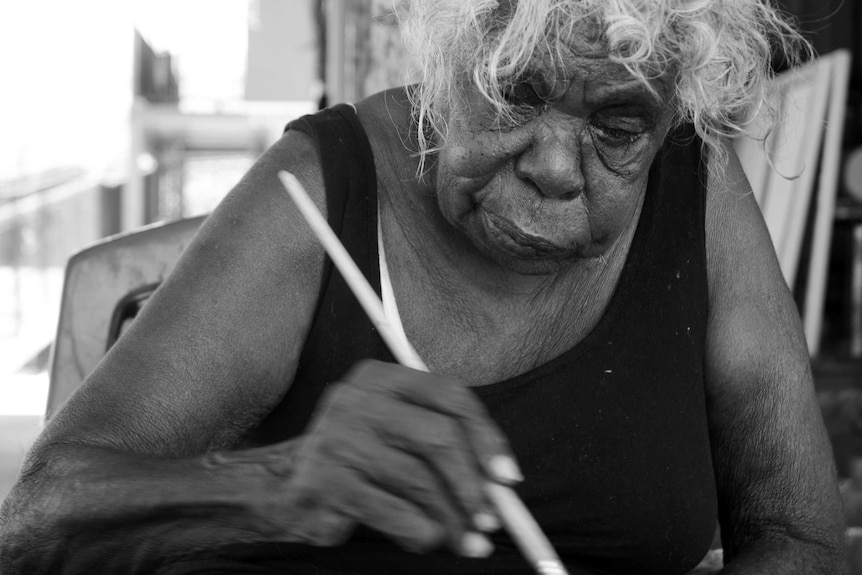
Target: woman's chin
pixel 532 267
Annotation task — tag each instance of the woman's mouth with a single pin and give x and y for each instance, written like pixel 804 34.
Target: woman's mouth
pixel 512 238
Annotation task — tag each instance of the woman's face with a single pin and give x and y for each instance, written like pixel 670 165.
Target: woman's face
pixel 563 181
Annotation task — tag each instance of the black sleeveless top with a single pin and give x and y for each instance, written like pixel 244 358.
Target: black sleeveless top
pixel 611 435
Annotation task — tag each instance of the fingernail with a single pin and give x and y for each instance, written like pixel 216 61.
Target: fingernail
pixel 551 567
pixel 505 469
pixel 475 545
pixel 485 521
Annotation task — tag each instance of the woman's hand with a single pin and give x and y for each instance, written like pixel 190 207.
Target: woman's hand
pixel 404 452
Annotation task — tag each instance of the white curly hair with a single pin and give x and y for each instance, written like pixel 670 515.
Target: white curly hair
pixel 719 53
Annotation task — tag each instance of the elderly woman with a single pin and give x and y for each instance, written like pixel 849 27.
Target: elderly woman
pixel 557 223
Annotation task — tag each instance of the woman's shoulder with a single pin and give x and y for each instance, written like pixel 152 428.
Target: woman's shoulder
pixel 386 117
pixel 387 120
pixel 209 347
pixel 392 105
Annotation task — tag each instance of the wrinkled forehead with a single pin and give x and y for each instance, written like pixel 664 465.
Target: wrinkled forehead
pixel 583 58
pixel 558 41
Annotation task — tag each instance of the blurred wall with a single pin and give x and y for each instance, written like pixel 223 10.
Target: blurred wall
pixel 282 51
pixel 364 52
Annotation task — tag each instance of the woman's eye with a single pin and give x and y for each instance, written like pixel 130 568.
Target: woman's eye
pixel 615 136
pixel 522 94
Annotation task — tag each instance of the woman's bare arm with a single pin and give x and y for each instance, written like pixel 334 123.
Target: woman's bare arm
pixel 779 506
pixel 136 472
pixel 80 509
pixel 216 346
pixel 210 354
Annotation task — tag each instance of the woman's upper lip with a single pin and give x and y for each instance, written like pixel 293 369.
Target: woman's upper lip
pixel 521 237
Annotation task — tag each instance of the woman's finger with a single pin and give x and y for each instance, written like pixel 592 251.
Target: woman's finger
pixel 407 525
pixel 357 423
pixel 446 396
pixel 412 452
pixel 437 442
pixel 330 492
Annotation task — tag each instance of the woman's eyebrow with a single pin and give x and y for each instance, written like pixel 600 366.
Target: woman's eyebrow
pixel 633 92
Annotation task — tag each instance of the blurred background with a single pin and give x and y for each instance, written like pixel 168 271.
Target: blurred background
pixel 120 114
pixel 117 114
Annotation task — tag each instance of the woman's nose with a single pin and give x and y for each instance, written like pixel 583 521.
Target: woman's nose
pixel 552 162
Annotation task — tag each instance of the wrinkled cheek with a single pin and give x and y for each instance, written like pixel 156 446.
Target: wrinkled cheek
pixel 611 199
pixel 627 163
pixel 476 156
pixel 457 198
